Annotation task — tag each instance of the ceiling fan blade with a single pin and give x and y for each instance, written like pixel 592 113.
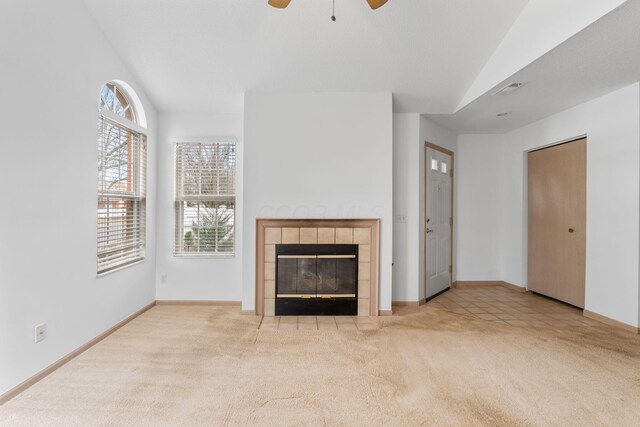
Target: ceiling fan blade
pixel 280 4
pixel 376 3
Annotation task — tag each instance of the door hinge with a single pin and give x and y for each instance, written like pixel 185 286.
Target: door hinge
pixel 451 172
pixel 450 269
pixel 451 221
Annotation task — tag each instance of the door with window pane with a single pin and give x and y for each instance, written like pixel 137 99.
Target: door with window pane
pixel 438 221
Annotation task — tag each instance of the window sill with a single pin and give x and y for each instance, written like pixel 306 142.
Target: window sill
pixel 205 256
pixel 115 270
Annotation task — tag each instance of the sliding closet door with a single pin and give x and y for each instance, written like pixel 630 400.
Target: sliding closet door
pixel 557 221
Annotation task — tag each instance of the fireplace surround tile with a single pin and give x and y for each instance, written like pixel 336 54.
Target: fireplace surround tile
pixel 326 236
pixel 362 236
pixel 269 271
pixel 270 289
pixel 344 236
pixel 364 271
pixel 363 307
pixel 269 253
pixel 364 288
pixel 271 232
pixel 270 307
pixel 364 253
pixel 290 236
pixel 273 236
pixel 308 236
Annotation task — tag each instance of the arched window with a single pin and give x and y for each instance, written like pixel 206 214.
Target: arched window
pixel 114 100
pixel 121 182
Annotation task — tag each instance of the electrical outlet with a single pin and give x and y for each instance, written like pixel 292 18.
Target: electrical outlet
pixel 163 278
pixel 402 219
pixel 40 332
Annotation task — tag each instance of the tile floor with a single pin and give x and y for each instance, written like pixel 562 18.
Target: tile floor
pixel 492 303
pixel 322 323
pixel 503 305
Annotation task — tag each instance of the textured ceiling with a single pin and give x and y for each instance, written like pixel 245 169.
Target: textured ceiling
pixel 599 59
pixel 202 55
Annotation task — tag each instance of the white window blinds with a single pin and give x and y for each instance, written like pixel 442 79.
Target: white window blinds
pixel 121 195
pixel 205 198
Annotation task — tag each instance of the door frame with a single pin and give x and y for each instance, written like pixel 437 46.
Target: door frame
pixel 526 212
pixel 525 199
pixel 423 226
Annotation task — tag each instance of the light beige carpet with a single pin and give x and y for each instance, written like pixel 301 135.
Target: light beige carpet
pixel 196 366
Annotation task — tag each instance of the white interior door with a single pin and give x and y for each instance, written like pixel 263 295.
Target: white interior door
pixel 438 221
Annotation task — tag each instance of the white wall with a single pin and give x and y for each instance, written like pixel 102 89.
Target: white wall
pixel 188 278
pixel 612 126
pixel 406 203
pixel 438 135
pixel 410 132
pixel 317 155
pixel 54 63
pixel 478 174
pixel 613 192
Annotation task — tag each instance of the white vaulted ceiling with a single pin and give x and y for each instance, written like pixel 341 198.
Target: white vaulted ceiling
pixel 440 58
pixel 599 59
pixel 202 55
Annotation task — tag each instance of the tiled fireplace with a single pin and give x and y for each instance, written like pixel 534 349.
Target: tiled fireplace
pixel 317 267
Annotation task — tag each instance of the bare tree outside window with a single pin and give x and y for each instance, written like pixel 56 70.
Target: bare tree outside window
pixel 121 183
pixel 205 198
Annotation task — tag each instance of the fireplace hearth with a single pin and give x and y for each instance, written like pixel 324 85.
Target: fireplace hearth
pixel 316 280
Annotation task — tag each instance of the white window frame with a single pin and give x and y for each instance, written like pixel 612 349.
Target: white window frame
pixel 177 218
pixel 140 184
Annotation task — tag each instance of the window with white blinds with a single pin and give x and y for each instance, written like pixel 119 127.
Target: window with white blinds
pixel 205 198
pixel 122 159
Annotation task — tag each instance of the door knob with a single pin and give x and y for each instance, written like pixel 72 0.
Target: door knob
pixel 571 230
pixel 429 230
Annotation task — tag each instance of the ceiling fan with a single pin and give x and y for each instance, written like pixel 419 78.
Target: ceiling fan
pixel 281 4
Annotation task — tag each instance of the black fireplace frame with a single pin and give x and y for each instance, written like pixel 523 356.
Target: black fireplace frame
pixel 346 306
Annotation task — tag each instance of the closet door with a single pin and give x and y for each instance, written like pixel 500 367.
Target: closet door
pixel 557 221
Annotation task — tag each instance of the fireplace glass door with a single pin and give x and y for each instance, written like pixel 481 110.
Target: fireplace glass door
pixel 314 279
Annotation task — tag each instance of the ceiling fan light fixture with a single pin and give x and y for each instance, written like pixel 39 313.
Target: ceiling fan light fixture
pixel 280 4
pixel 374 4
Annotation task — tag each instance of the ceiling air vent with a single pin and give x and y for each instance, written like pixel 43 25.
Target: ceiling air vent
pixel 509 89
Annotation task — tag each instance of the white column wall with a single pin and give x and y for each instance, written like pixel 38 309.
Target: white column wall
pixel 406 207
pixel 318 155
